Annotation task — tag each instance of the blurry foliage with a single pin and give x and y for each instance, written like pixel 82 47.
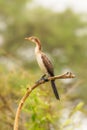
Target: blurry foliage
pixel 58 34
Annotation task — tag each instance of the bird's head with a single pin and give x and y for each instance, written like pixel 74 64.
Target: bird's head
pixel 33 39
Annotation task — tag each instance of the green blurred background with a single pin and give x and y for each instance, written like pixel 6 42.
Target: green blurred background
pixel 64 38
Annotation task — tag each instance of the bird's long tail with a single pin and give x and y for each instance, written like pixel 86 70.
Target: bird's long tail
pixel 55 89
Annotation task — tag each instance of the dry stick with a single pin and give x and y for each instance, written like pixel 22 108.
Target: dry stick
pixel 29 90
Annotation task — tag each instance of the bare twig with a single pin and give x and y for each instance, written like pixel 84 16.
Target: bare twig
pixel 29 90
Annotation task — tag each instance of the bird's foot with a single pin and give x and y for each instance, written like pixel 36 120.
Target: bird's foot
pixel 38 81
pixel 42 78
pixel 45 79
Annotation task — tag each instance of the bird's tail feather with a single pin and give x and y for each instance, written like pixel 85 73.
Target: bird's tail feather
pixel 55 89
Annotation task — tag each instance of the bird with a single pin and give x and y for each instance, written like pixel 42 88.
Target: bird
pixel 44 63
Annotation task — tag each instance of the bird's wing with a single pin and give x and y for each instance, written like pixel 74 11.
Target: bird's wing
pixel 47 64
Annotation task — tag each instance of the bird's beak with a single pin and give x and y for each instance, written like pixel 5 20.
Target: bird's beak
pixel 27 38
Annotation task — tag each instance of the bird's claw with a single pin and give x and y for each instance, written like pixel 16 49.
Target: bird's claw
pixel 42 79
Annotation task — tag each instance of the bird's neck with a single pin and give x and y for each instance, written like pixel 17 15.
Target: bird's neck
pixel 38 47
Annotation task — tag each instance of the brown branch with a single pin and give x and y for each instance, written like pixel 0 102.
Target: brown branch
pixel 29 90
